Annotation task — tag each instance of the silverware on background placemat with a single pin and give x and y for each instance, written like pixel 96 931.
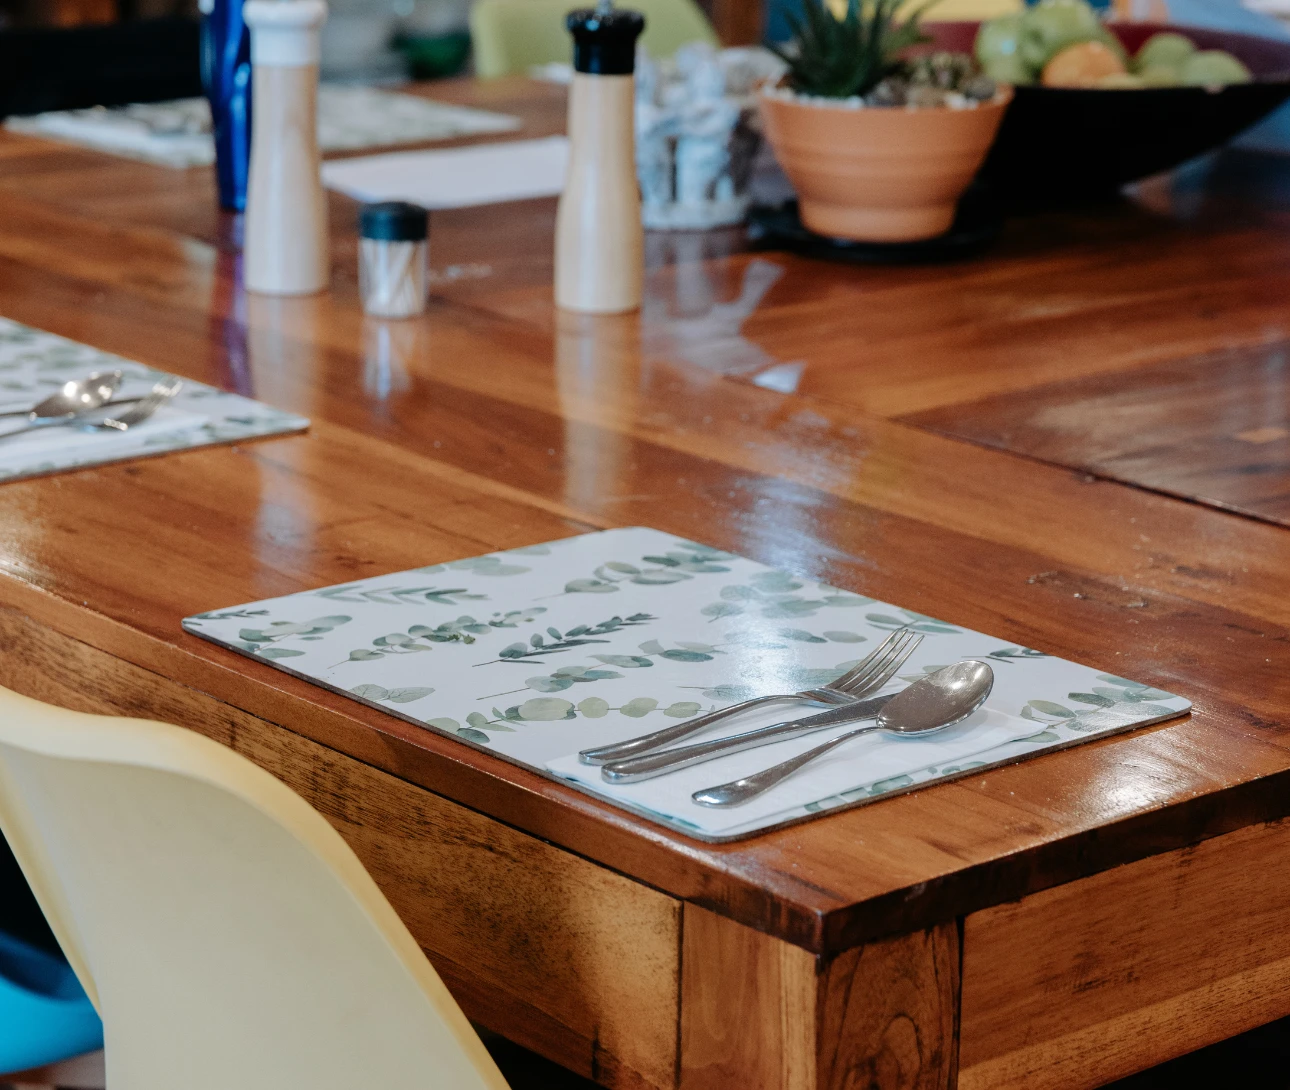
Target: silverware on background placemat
pixel 74 396
pixel 141 409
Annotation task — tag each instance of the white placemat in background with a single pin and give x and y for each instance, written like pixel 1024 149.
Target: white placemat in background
pixel 178 134
pixel 511 170
pixel 33 364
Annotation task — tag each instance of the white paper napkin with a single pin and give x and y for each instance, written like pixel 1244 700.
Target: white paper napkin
pixel 514 170
pixel 70 446
pixel 854 766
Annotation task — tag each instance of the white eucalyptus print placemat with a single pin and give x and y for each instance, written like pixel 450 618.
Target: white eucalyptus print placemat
pixel 34 364
pixel 178 133
pixel 538 652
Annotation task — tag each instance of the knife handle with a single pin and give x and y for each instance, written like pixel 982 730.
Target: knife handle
pixel 635 747
pixel 664 761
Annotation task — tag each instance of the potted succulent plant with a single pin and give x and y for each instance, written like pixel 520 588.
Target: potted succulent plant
pixel 879 144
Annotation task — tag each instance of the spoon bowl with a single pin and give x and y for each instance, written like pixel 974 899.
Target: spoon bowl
pixel 938 700
pixel 75 396
pixel 930 704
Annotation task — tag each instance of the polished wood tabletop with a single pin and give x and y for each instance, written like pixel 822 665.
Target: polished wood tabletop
pixel 1059 922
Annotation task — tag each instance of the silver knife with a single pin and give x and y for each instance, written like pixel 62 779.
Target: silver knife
pixel 669 760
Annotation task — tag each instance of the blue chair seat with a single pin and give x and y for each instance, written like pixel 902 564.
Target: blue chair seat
pixel 45 1015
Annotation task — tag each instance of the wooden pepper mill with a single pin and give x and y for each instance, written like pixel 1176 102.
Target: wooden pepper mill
pixel 599 241
pixel 286 247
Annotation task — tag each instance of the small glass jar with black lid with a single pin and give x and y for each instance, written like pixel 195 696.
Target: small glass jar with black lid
pixel 393 259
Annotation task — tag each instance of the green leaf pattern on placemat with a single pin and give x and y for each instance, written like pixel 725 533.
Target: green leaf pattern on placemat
pixel 401 596
pixel 689 629
pixel 404 695
pixel 674 566
pixel 266 642
pixel 577 636
pixel 1116 692
pixel 775 595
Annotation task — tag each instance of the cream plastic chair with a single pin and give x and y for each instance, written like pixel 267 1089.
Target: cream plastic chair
pixel 227 935
pixel 949 11
pixel 512 36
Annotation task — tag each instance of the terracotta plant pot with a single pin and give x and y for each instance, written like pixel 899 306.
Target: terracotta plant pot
pixel 879 174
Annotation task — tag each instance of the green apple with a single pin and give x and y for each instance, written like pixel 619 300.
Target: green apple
pixel 1211 67
pixel 1053 25
pixel 1163 51
pixel 998 38
pixel 1160 76
pixel 1007 69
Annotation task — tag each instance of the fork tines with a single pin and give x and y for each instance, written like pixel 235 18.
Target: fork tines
pixel 880 665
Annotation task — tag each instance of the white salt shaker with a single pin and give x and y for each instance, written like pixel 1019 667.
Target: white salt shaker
pixel 393 270
pixel 286 248
pixel 599 241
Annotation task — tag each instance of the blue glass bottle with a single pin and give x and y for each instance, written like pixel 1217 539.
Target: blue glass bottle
pixel 226 75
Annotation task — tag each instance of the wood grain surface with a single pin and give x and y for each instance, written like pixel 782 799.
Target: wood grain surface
pixel 749 1005
pixel 491 423
pixel 1213 428
pixel 1189 263
pixel 1079 985
pixel 759 1012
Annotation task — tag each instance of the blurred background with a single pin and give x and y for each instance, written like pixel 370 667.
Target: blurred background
pixel 68 13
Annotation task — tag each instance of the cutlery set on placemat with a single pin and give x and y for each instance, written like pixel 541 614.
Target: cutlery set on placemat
pixel 939 700
pixel 66 405
pixel 560 656
pixel 88 403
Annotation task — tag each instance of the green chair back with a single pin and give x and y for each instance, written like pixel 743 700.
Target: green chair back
pixel 511 36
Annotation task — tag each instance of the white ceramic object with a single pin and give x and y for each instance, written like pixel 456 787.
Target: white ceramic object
pixel 358 46
pixel 697 134
pixel 286 249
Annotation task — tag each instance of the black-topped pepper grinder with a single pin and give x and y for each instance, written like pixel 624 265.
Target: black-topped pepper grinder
pixel 599 241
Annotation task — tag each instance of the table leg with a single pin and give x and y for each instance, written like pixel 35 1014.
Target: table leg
pixel 760 1014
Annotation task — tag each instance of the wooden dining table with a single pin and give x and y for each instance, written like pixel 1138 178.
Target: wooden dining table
pixel 1077 441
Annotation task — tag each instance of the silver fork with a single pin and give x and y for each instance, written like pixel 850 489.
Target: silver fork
pixel 659 762
pixel 142 408
pixel 866 677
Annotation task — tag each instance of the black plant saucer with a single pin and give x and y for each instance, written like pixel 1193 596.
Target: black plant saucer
pixel 977 225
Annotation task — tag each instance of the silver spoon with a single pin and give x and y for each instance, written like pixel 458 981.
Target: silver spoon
pixel 930 704
pixel 869 675
pixel 142 408
pixel 74 396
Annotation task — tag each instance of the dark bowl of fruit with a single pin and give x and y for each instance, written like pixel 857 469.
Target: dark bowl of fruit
pixel 1099 105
